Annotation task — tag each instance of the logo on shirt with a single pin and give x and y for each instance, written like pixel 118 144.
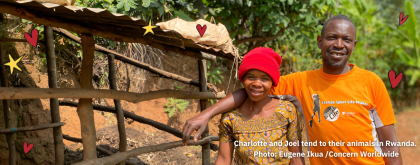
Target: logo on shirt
pixel 317 109
pixel 331 113
pixel 348 113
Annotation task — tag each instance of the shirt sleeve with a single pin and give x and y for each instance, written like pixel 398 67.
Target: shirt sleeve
pixel 288 85
pixel 225 129
pixel 293 130
pixel 383 104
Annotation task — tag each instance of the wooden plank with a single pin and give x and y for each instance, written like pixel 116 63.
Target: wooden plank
pixel 202 66
pixel 12 40
pixel 139 119
pixel 44 93
pixel 100 149
pixel 31 128
pixel 111 160
pixel 52 83
pixel 117 103
pixel 84 109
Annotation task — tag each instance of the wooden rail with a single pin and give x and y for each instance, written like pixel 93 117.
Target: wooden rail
pixel 100 149
pixel 118 157
pixel 44 93
pixel 139 119
pixel 31 128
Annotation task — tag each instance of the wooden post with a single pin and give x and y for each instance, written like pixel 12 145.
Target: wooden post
pixel 84 108
pixel 52 83
pixel 4 83
pixel 120 114
pixel 203 88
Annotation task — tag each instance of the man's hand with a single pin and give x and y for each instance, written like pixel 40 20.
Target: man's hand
pixel 292 99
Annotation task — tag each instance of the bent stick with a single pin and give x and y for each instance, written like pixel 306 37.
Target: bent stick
pixel 139 119
pixel 111 160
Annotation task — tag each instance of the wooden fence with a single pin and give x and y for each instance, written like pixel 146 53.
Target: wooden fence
pixel 85 107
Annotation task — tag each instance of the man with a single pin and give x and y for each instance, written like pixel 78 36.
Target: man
pixel 353 103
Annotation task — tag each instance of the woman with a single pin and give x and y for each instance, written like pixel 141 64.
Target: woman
pixel 260 128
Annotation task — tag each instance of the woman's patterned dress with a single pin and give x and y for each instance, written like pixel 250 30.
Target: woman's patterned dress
pixel 280 127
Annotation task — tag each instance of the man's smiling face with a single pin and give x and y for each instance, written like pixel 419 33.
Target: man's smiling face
pixel 337 43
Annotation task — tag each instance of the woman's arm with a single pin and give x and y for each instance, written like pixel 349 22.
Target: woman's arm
pixel 225 153
pixel 296 149
pixel 200 121
pixel 293 135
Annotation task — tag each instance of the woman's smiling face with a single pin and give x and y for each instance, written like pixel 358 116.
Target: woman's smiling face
pixel 257 84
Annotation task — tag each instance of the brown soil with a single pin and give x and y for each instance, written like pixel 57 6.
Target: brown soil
pixel 407 128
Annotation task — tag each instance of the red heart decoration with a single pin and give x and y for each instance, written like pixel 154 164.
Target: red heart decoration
pixel 33 40
pixel 201 29
pixel 27 147
pixel 402 20
pixel 394 80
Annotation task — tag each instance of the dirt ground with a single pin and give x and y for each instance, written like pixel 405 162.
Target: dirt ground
pixel 408 129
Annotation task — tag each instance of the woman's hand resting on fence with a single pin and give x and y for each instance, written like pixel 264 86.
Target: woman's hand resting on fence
pixel 232 101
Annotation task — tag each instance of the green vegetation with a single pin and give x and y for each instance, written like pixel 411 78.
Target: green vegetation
pixel 214 74
pixel 290 28
pixel 177 87
pixel 175 104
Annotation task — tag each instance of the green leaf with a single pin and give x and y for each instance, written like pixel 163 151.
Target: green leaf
pixel 217 79
pixel 167 104
pixel 161 10
pixel 405 57
pixel 239 2
pixel 171 112
pixel 308 19
pixel 211 11
pixel 146 3
pixel 182 15
pixel 155 3
pixel 167 109
pixel 126 4
pixel 414 77
pixel 267 26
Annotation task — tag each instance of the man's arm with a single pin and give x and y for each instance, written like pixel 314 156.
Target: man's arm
pixel 231 101
pixel 387 133
pixel 225 153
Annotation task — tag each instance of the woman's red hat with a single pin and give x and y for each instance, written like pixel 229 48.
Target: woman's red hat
pixel 263 59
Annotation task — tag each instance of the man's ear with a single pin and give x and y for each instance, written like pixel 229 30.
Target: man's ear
pixel 355 42
pixel 319 39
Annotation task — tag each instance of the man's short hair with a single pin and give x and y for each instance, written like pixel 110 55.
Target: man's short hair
pixel 338 17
